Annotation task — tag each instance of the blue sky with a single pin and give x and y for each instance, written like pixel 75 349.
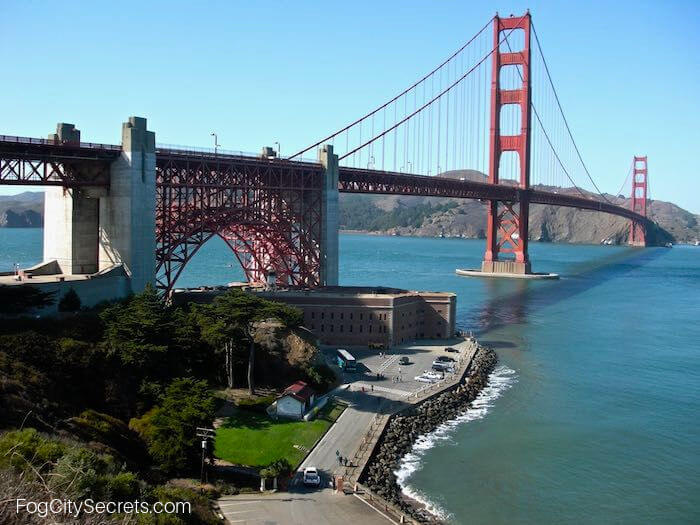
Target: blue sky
pixel 628 73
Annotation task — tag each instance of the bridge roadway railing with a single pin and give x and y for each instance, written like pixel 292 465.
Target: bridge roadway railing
pixel 13 140
pixel 360 180
pixel 16 150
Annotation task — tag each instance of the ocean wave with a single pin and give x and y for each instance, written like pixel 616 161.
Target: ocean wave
pixel 500 380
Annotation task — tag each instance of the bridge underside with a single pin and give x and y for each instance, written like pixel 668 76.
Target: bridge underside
pixel 267 211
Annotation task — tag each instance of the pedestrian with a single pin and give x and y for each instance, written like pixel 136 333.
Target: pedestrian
pixel 340 461
pixel 372 387
pixel 345 461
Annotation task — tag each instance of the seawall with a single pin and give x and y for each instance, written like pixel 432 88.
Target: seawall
pixel 404 428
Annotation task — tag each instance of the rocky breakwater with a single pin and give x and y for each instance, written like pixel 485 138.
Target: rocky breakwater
pixel 406 426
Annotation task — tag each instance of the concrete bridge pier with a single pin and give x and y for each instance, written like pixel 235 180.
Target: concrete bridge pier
pixel 127 232
pixel 71 217
pixel 90 229
pixel 329 216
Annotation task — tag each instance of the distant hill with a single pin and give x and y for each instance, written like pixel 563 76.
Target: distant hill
pixel 24 210
pixel 433 216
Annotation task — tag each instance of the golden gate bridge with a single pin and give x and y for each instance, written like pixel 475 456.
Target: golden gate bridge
pixel 487 123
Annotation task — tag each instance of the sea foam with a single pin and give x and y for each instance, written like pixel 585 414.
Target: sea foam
pixel 500 380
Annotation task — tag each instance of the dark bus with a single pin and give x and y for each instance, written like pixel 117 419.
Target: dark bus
pixel 346 361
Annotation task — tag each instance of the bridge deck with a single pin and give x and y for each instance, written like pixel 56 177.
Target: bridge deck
pixel 31 161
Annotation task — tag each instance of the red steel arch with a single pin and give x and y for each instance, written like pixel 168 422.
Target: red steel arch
pixel 268 211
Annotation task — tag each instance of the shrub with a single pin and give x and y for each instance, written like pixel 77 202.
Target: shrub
pixel 256 404
pixel 321 377
pixel 170 429
pixel 276 468
pixel 78 474
pixel 123 486
pixel 70 302
pixel 22 448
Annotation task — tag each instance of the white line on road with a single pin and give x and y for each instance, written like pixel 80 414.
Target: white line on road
pixel 375 509
pixel 386 363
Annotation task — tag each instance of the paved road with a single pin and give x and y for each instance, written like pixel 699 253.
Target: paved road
pixel 302 506
pixel 346 435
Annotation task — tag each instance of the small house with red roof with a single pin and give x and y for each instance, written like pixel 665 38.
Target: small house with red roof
pixel 295 401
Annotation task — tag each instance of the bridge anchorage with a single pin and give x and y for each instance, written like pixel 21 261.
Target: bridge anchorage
pixel 485 124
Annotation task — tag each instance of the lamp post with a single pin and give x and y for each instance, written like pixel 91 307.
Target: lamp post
pixel 216 142
pixel 279 149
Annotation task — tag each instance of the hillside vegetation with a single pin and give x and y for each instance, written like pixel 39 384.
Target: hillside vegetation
pixel 104 404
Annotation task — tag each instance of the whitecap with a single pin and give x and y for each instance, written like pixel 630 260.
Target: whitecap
pixel 500 380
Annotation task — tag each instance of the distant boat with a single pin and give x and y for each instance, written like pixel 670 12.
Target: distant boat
pixel 669 245
pixel 697 243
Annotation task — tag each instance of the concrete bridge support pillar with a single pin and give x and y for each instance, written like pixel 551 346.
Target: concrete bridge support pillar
pixel 329 217
pixel 70 219
pixel 127 231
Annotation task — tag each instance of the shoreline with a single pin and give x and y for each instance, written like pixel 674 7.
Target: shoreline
pixel 406 427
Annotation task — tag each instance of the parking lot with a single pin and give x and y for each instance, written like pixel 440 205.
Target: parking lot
pixel 393 378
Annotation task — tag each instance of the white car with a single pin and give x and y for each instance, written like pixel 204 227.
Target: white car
pixel 311 477
pixel 425 378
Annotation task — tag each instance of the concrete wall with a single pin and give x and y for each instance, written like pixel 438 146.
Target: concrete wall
pixel 390 319
pixel 112 283
pixel 70 230
pixel 127 231
pixel 329 217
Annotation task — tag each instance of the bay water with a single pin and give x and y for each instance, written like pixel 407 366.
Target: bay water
pixel 593 414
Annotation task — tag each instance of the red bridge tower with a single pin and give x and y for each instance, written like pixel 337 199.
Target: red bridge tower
pixel 507 222
pixel 639 200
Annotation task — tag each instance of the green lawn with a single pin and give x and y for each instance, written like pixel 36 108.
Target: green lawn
pixel 255 440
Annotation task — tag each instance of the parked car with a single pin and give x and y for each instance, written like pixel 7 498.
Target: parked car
pixel 452 350
pixel 441 366
pixel 445 359
pixel 311 477
pixel 404 361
